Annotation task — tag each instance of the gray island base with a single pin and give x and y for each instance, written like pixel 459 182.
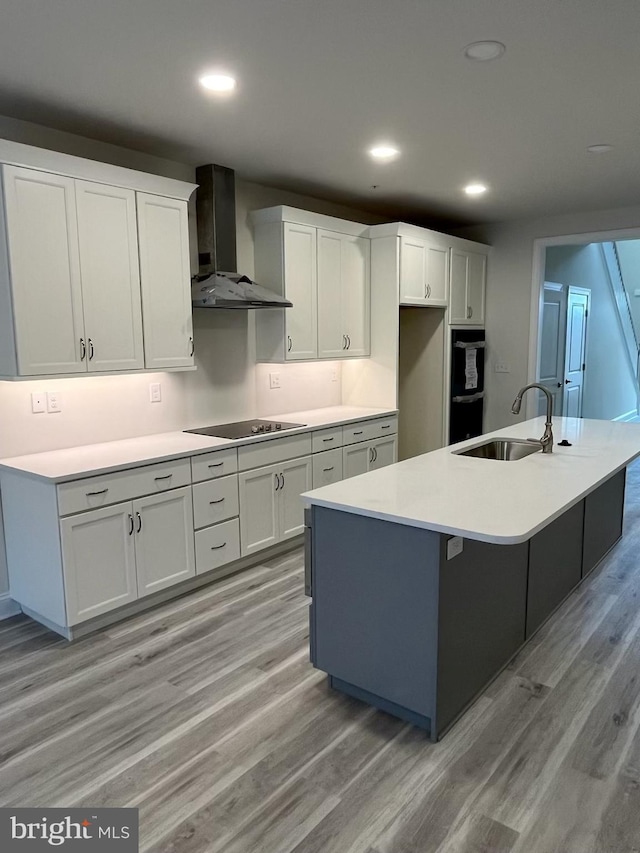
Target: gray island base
pixel 407 621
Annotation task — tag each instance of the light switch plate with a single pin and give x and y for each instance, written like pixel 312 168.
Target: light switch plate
pixel 274 380
pixel 155 392
pixel 54 403
pixel 38 402
pixel 502 367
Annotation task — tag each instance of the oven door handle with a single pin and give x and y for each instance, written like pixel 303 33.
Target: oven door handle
pixel 468 398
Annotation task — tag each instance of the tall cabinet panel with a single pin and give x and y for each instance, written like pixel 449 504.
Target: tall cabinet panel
pixel 164 274
pixel 110 277
pixel 332 340
pixel 45 271
pixel 300 277
pixel 356 294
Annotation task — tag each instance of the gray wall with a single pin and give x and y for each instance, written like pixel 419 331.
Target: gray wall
pixel 609 389
pixel 629 257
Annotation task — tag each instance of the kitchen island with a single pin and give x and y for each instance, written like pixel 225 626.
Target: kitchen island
pixel 427 576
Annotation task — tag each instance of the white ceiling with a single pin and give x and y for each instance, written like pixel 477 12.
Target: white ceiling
pixel 320 80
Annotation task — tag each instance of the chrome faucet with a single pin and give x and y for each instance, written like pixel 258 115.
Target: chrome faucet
pixel 546 441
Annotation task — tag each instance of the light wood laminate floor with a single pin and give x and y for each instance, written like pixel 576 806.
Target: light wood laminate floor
pixel 206 715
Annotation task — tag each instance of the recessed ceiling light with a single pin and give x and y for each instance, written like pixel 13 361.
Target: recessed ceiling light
pixel 599 149
pixel 218 82
pixel 475 189
pixel 384 152
pixel 484 51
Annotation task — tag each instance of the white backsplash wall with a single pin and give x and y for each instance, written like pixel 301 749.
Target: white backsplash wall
pixel 302 386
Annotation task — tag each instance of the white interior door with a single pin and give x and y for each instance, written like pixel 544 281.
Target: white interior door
pixel 552 343
pixel 575 351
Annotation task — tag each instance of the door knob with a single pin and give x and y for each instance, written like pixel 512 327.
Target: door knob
pixel 567 382
pixel 559 384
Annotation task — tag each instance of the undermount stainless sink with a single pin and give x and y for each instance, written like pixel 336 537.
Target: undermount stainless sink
pixel 504 449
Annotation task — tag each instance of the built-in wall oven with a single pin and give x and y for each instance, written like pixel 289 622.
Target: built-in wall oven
pixel 467 384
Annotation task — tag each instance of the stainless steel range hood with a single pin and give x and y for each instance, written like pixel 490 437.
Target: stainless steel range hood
pixel 217 284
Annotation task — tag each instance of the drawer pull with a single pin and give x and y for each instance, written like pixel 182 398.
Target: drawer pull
pixel 130 525
pixel 101 492
pixel 386 426
pixel 215 465
pixel 165 477
pixel 217 547
pixel 359 432
pixel 139 527
pixel 329 439
pixel 328 469
pixel 219 501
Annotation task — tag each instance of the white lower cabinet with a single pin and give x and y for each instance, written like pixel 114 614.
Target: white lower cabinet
pixel 99 561
pixel 116 554
pixel 217 545
pixel 327 467
pixel 270 506
pixel 163 536
pixel 368 456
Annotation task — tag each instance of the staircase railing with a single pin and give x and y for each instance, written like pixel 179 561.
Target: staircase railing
pixel 625 317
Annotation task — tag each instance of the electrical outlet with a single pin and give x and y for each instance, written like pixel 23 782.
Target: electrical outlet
pixel 38 403
pixel 155 392
pixel 54 403
pixel 502 367
pixel 274 380
pixel 334 374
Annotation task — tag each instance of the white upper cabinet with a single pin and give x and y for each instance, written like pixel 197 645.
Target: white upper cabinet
pixel 322 266
pixel 468 284
pixel 344 295
pixel 163 233
pixel 43 274
pixel 424 271
pixel 71 262
pixel 110 277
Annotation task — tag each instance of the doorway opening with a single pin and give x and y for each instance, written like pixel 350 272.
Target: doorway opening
pixel 588 326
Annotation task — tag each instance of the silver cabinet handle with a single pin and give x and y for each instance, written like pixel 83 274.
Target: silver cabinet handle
pixel 83 349
pixel 348 341
pixel 289 343
pixel 358 433
pixel 328 469
pixel 470 311
pixel 375 454
pixel 427 292
pixel 277 476
pixel 165 477
pixel 282 486
pixel 219 501
pixel 130 524
pixel 215 465
pixel 329 439
pixel 386 426
pixel 90 342
pixel 101 492
pixel 192 347
pixel 371 454
pixel 139 518
pixel 217 547
pixel 344 342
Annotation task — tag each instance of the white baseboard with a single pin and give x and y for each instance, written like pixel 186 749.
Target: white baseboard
pixel 628 416
pixel 8 607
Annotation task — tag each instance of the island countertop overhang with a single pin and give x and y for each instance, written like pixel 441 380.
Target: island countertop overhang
pixel 488 500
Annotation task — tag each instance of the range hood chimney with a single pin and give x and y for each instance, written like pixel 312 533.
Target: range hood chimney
pixel 218 284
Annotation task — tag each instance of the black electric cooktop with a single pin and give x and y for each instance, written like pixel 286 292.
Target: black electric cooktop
pixel 243 429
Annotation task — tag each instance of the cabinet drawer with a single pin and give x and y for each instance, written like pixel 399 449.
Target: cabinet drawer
pixel 382 426
pixel 275 450
pixel 327 467
pixel 326 439
pixel 105 489
pixel 217 545
pixel 215 500
pixel 352 433
pixel 218 463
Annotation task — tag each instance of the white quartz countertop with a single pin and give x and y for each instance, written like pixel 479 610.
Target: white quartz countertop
pixel 86 460
pixel 486 499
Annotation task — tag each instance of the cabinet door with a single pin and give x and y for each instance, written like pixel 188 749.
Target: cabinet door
pixel 476 287
pixel 166 281
pixel 383 452
pixel 327 467
pixel 110 276
pixel 356 294
pixel 332 341
pixel 164 540
pixel 98 556
pixel 437 274
pixel 259 508
pixel 300 279
pixel 468 282
pixel 45 271
pixel 296 479
pixel 412 271
pixel 355 459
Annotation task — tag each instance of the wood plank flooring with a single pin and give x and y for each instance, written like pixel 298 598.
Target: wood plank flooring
pixel 207 716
